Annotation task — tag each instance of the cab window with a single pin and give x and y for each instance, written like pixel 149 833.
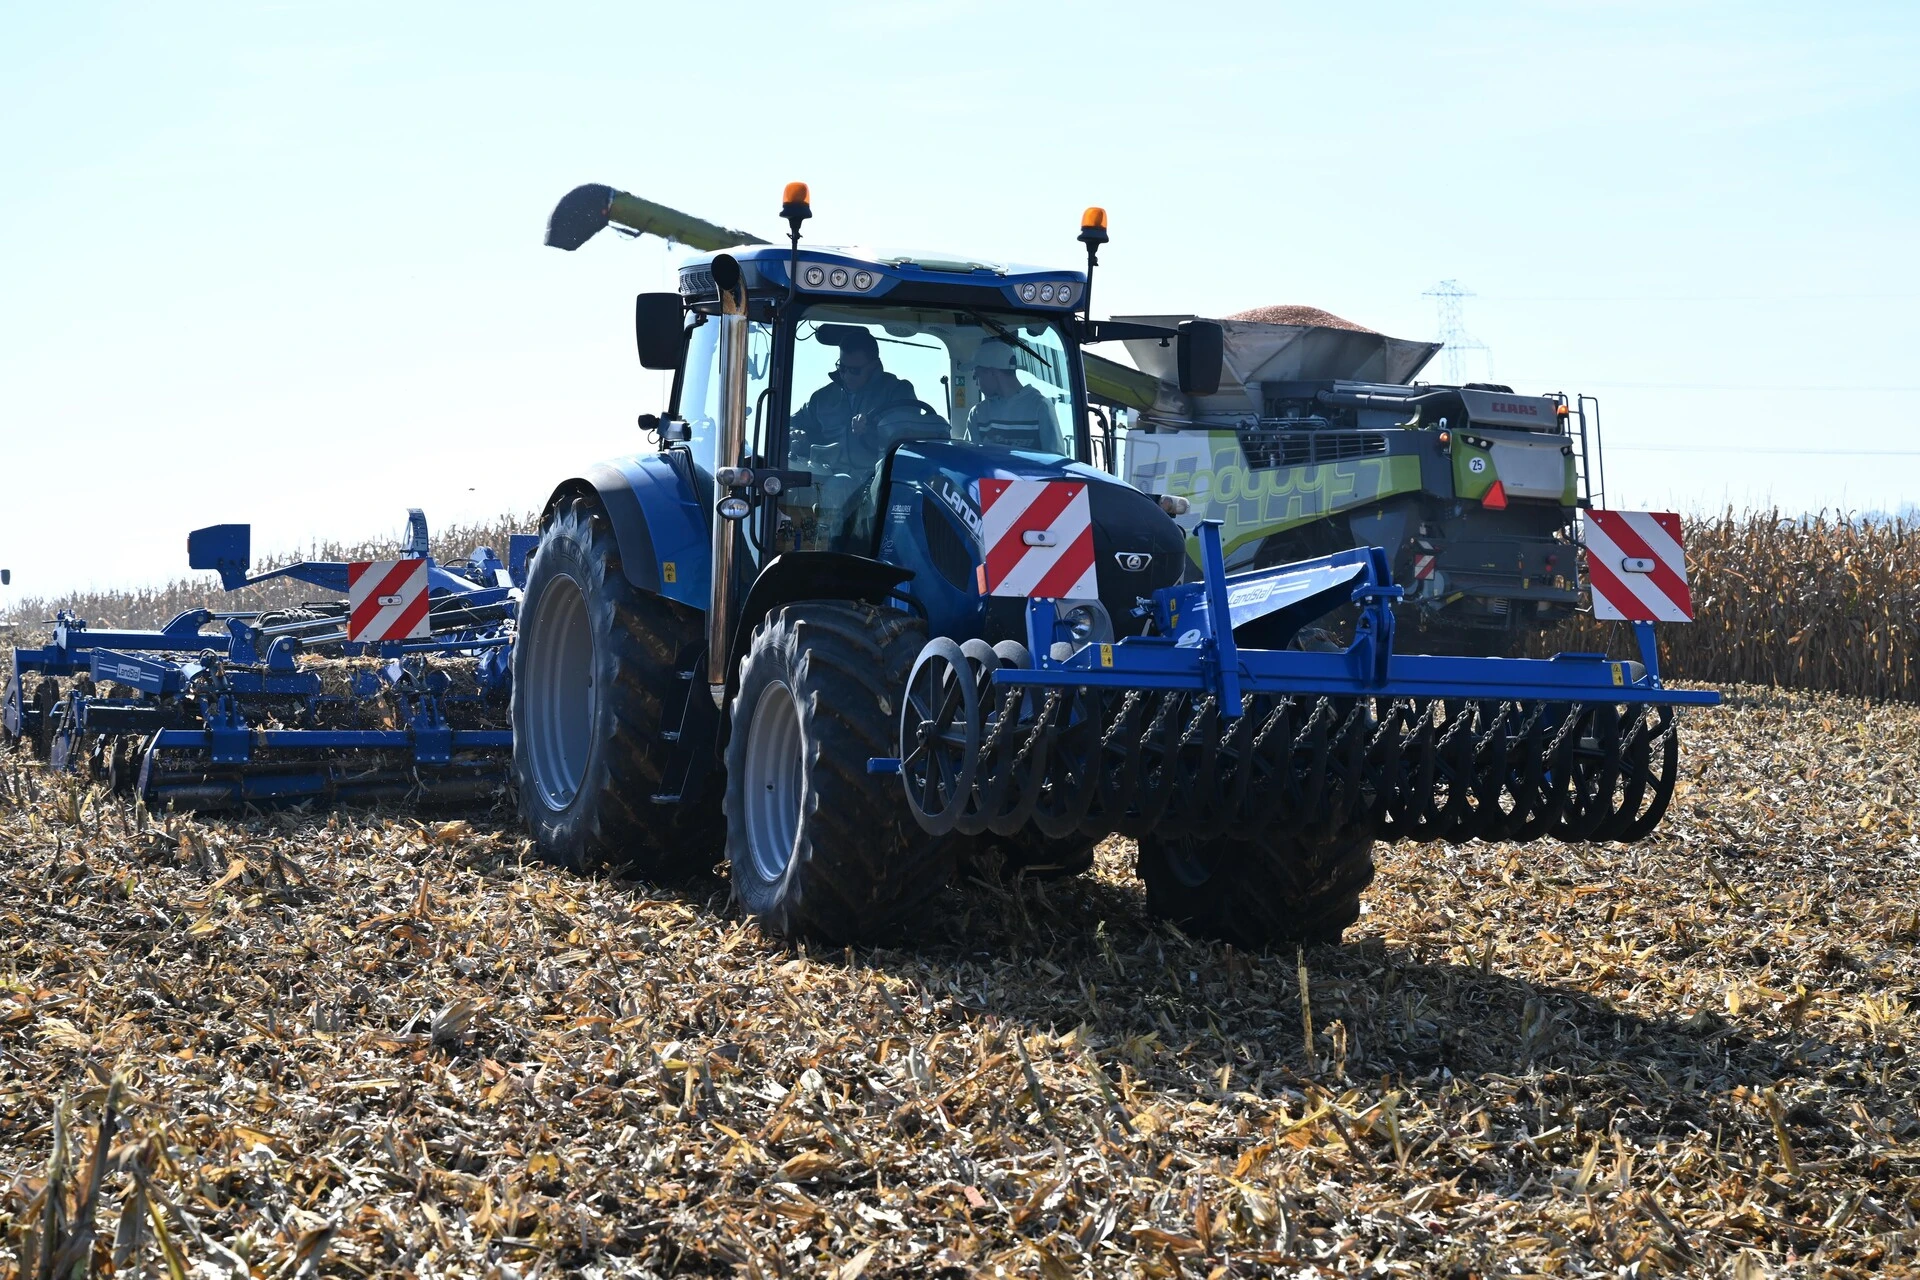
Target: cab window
pixel 868 378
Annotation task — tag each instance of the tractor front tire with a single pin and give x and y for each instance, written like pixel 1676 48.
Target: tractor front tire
pixel 816 845
pixel 1274 889
pixel 601 678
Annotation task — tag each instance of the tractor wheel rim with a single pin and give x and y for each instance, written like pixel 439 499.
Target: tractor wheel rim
pixel 772 783
pixel 561 692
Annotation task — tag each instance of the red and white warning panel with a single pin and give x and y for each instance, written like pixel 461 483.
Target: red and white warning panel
pixel 1637 566
pixel 387 600
pixel 1039 539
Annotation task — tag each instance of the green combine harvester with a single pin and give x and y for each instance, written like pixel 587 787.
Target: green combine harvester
pixel 1319 440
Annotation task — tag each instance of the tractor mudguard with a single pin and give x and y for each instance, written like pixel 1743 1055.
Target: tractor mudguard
pixel 658 522
pixel 809 575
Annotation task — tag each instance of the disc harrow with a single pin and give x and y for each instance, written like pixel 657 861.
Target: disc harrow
pixel 1186 732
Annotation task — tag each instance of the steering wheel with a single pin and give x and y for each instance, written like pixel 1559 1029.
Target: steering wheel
pixel 905 420
pixel 894 424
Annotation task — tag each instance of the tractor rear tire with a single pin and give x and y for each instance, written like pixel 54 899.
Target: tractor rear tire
pixel 601 676
pixel 1274 889
pixel 816 845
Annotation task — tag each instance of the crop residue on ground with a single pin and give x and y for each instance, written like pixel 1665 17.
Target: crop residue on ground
pixel 354 1045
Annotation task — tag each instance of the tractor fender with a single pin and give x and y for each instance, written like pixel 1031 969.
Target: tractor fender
pixel 659 523
pixel 809 575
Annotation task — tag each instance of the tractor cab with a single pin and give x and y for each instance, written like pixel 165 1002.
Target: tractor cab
pixel 865 353
pixel 843 407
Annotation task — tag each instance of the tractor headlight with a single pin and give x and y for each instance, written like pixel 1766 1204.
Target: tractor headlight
pixel 1087 622
pixel 863 279
pixel 734 508
pixel 1173 504
pixel 1046 293
pixel 815 277
pixel 1028 292
pixel 839 277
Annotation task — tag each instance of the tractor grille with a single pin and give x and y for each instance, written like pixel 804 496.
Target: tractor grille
pixel 1266 450
pixel 950 550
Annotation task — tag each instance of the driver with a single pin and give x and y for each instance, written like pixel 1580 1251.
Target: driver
pixel 838 426
pixel 1009 413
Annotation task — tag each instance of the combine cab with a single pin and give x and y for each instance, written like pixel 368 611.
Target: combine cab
pixel 1318 440
pixel 869 608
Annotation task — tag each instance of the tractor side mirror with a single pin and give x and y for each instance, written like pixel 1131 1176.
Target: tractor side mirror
pixel 6 577
pixel 658 330
pixel 1200 350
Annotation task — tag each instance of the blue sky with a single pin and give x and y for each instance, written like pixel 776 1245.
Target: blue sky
pixel 282 262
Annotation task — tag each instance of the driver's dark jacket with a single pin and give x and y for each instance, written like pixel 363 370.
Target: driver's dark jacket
pixel 824 433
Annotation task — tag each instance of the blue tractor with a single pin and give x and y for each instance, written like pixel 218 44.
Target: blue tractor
pixel 869 611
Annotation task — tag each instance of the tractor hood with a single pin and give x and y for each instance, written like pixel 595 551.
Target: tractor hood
pixel 1137 547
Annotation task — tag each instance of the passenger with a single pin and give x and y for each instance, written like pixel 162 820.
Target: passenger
pixel 837 429
pixel 1010 413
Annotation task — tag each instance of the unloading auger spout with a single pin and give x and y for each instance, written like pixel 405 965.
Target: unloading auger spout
pixel 1192 731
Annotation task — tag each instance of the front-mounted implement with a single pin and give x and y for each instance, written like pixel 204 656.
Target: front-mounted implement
pixel 393 688
pixel 1212 729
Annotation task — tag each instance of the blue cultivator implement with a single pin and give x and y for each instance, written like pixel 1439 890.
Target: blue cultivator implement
pixel 398 691
pixel 1192 733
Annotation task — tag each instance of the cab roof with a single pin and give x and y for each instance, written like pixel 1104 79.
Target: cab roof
pixel 861 274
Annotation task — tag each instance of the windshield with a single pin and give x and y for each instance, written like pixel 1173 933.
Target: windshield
pixel 866 378
pixel 700 388
pixel 987 377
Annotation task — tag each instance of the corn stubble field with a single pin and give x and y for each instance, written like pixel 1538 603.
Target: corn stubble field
pixel 371 1043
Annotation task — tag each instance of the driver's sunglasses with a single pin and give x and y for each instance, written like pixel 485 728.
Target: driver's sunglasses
pixel 860 370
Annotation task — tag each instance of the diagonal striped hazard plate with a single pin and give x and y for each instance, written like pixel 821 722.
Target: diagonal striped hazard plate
pixel 387 600
pixel 1637 566
pixel 1039 539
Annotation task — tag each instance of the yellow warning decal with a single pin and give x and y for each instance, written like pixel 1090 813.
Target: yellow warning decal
pixel 1619 676
pixel 669 572
pixel 1106 655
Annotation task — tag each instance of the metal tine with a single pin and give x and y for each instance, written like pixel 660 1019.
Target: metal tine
pixel 1195 760
pixel 1233 771
pixel 1492 751
pixel 1591 759
pixel 1453 772
pixel 1026 771
pixel 1410 811
pixel 1153 771
pixel 1663 737
pixel 1345 770
pixel 1073 763
pixel 1269 756
pixel 1384 754
pixel 1119 764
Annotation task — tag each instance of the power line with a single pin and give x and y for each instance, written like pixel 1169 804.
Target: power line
pixel 1454 337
